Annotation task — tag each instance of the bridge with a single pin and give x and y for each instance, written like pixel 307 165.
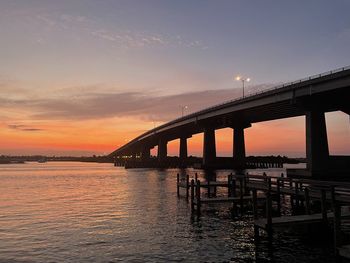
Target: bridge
pixel 311 97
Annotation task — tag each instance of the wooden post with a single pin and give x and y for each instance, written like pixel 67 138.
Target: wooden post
pixel 241 193
pixel 192 195
pixel 178 185
pixel 208 189
pixel 233 185
pixel 296 194
pixel 214 188
pixel 229 179
pixel 198 196
pixel 324 205
pixel 246 180
pixel 337 222
pixel 265 176
pixel 269 209
pixel 256 234
pixel 291 196
pixel 255 203
pixel 301 190
pixel 282 182
pixel 278 197
pixel 307 201
pixel 187 185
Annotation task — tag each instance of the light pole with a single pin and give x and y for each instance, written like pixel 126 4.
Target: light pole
pixel 243 79
pixel 183 108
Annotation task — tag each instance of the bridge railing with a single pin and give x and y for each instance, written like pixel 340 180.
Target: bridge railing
pixel 328 73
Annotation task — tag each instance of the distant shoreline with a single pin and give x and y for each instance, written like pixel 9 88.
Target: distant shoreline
pixel 6 159
pixel 12 162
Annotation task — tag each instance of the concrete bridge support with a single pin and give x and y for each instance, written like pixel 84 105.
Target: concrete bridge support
pixel 145 154
pixel 162 149
pixel 209 148
pixel 183 151
pixel 317 152
pixel 239 145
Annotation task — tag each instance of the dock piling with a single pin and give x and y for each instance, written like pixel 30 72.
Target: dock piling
pixel 307 201
pixel 187 185
pixel 178 185
pixel 233 187
pixel 336 222
pixel 324 205
pixel 255 203
pixel 241 193
pixel 291 196
pixel 269 209
pixel 229 182
pixel 198 197
pixel 296 188
pixel 192 196
pixel 278 196
pixel 208 189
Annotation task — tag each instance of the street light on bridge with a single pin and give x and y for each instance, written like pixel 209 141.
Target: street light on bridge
pixel 243 79
pixel 183 108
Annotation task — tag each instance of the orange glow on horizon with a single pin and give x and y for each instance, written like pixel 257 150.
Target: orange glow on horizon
pixel 284 137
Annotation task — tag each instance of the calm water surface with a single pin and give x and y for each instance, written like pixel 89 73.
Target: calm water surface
pixel 87 212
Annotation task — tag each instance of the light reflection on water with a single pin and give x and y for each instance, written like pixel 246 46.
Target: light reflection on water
pixel 87 212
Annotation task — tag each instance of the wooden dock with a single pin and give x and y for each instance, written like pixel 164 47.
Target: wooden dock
pixel 246 190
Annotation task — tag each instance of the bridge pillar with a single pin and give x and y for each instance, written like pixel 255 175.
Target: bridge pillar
pixel 183 151
pixel 317 152
pixel 239 145
pixel 209 149
pixel 162 149
pixel 145 153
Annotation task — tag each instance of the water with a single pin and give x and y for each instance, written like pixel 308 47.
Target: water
pixel 87 212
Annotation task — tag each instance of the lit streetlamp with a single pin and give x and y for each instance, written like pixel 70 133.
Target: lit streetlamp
pixel 183 108
pixel 243 79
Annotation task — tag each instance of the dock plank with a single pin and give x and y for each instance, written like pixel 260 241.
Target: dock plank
pixel 215 183
pixel 295 220
pixel 184 185
pixel 227 199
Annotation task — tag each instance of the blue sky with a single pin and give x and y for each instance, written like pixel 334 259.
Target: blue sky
pixel 272 41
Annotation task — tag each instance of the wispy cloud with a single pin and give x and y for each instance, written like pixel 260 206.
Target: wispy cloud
pixel 122 38
pixel 146 106
pixel 25 128
pixel 132 39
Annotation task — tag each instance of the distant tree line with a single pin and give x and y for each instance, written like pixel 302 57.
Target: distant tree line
pixel 5 159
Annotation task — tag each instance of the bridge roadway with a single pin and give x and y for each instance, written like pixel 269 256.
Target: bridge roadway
pixel 310 97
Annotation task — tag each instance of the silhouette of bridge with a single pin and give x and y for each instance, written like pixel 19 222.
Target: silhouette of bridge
pixel 311 97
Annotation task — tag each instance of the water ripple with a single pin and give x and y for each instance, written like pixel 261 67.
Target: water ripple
pixel 77 212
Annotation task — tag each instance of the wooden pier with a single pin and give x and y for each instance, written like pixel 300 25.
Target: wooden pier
pixel 321 202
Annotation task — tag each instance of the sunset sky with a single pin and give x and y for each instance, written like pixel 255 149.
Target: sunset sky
pixel 84 77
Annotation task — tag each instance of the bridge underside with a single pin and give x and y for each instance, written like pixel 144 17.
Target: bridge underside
pixel 311 99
